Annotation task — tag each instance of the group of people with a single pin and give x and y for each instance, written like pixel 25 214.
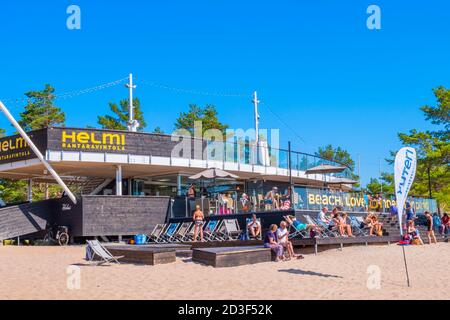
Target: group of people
pixel 432 222
pixel 277 238
pixel 336 221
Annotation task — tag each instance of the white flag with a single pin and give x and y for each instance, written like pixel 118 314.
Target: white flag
pixel 404 174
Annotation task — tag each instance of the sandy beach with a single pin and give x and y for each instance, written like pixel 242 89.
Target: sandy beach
pixel 43 273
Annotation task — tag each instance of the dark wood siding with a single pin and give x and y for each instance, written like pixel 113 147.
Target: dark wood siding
pixel 112 215
pixel 25 219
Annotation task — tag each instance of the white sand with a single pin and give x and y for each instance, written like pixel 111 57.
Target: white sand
pixel 41 273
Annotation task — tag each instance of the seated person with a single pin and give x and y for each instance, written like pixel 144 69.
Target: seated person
pixel 377 225
pixel 345 226
pixel 270 241
pixel 283 240
pixel 413 232
pixel 297 225
pixel 254 227
pixel 322 217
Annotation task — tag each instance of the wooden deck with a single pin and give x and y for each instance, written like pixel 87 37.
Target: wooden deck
pixel 222 257
pixel 147 255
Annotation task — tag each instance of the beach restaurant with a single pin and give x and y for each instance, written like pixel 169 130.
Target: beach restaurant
pixel 127 182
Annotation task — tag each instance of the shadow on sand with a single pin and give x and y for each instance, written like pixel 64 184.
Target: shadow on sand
pixel 309 273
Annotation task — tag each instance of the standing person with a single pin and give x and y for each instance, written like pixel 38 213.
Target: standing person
pixel 191 194
pixel 270 241
pixel 198 218
pixel 445 223
pixel 430 232
pixel 283 240
pixel 410 214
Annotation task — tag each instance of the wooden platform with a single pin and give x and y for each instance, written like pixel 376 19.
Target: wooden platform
pixel 222 257
pixel 341 241
pixel 148 255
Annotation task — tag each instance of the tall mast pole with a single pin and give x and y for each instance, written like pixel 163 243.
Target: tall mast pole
pixel 132 124
pixel 255 104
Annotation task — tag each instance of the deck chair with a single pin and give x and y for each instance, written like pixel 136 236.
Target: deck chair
pixel 169 233
pixel 356 226
pixel 210 231
pixel 156 235
pixel 180 235
pixel 360 221
pixel 247 222
pixel 95 248
pixel 294 233
pixel 323 229
pixel 230 229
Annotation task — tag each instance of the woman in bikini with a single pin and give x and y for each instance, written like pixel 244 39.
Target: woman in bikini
pixel 198 223
pixel 430 231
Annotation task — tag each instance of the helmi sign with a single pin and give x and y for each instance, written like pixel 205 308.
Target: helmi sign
pixel 92 140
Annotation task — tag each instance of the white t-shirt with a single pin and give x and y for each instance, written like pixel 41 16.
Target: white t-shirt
pixel 322 217
pixel 281 233
pixel 254 224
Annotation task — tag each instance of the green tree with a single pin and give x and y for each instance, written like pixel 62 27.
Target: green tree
pixel 433 151
pixel 207 115
pixel 158 130
pixel 336 154
pixel 40 111
pixel 341 156
pixel 120 117
pixel 386 183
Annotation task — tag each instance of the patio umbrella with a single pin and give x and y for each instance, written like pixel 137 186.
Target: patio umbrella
pixel 213 173
pixel 342 181
pixel 325 168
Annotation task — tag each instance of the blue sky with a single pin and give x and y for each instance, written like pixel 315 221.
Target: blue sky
pixel 314 62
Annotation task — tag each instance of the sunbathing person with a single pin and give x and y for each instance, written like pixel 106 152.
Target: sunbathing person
pixel 254 227
pixel 336 224
pixel 298 226
pixel 283 240
pixel 377 225
pixel 347 227
pixel 270 241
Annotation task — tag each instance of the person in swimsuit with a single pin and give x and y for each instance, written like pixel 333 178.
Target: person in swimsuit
pixel 198 223
pixel 430 232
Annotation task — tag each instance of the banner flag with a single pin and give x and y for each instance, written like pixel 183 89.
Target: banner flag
pixel 404 174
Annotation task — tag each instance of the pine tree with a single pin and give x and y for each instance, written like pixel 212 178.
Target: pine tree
pixel 40 111
pixel 119 119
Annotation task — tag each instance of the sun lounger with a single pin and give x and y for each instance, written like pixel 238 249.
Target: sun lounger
pixel 295 233
pixel 95 248
pixel 210 231
pixel 230 230
pixel 321 227
pixel 169 232
pixel 356 226
pixel 156 235
pixel 180 235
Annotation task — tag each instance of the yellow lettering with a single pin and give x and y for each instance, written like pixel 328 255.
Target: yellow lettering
pixel 111 138
pixel 83 137
pixel 94 141
pixel 65 136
